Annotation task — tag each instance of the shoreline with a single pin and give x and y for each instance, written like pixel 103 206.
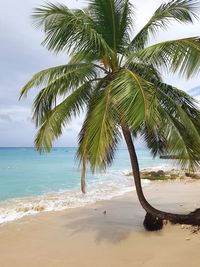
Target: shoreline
pixel 87 237
pixel 17 208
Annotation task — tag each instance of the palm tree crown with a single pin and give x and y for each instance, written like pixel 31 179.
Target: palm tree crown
pixel 116 81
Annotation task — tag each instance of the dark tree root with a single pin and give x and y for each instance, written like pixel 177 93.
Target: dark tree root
pixel 152 223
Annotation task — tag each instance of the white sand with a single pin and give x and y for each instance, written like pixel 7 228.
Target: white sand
pixel 85 237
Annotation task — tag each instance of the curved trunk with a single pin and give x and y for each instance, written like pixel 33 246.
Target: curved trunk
pixel 153 214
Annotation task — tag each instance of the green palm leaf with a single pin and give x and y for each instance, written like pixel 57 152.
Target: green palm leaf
pixel 154 137
pixel 181 142
pixel 179 10
pixel 70 30
pixel 60 116
pixel 61 78
pixel 147 71
pixel 177 118
pixel 100 133
pixel 134 97
pixel 180 56
pixel 112 20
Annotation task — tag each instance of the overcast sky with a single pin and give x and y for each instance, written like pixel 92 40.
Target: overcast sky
pixel 21 55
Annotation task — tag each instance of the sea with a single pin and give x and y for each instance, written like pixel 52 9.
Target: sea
pixel 31 183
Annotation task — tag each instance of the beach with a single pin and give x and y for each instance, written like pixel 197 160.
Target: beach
pixel 106 234
pixel 98 105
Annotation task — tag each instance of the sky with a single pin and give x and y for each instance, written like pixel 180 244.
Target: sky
pixel 21 56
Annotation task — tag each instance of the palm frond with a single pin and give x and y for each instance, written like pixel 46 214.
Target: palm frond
pixel 126 24
pixel 67 29
pixel 100 134
pixel 133 97
pixel 181 56
pixel 183 11
pixel 181 142
pixel 113 20
pixel 60 79
pixel 86 56
pixel 154 138
pixel 147 71
pixel 60 116
pixel 184 100
pixel 178 116
pixel 175 128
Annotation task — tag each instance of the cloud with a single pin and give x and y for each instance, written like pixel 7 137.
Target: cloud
pixel 17 128
pixel 195 91
pixel 5 117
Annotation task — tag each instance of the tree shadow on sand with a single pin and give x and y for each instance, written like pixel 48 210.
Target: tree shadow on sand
pixel 115 224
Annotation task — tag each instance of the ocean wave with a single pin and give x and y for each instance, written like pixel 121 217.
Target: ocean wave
pixel 102 187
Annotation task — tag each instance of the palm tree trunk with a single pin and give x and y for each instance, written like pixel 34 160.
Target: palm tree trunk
pixel 83 189
pixel 154 217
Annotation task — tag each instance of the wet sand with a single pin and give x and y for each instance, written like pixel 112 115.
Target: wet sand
pixel 87 237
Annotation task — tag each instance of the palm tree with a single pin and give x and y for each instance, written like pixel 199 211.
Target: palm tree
pixel 116 81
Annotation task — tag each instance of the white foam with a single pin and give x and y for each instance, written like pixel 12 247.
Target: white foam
pixel 104 187
pixel 164 167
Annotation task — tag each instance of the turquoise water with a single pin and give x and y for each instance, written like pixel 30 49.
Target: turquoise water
pixel 51 181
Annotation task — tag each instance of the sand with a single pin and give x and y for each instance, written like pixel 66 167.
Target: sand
pixel 86 237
